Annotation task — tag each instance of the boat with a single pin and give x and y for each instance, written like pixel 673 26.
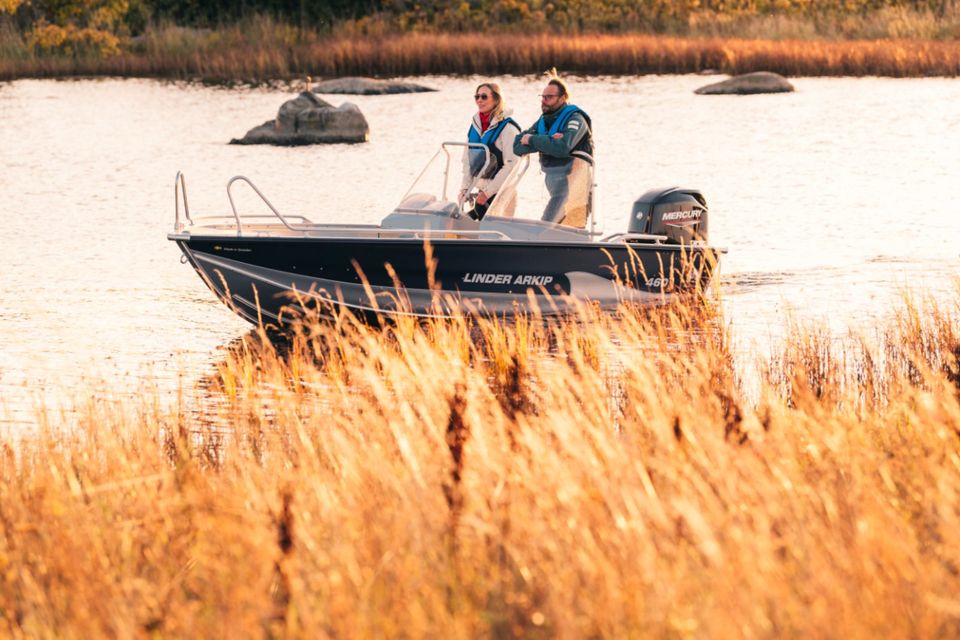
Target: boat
pixel 430 257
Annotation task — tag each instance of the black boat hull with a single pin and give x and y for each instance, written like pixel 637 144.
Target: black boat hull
pixel 273 280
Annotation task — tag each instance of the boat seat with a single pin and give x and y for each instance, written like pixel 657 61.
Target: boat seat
pixel 427 203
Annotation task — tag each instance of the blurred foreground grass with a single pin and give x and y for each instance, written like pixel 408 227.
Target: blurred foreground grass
pixel 602 476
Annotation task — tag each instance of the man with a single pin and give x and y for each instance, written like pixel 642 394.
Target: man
pixel 564 140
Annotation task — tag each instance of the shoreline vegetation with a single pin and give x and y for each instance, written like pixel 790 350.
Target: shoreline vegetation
pixel 220 58
pixel 604 476
pixel 168 39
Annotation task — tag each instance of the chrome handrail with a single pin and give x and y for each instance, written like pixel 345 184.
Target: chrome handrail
pixel 419 210
pixel 250 216
pixel 180 183
pixel 487 157
pixel 233 206
pixel 442 233
pixel 625 236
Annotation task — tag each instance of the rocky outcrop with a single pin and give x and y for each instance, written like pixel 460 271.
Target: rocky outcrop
pixel 367 87
pixel 309 120
pixel 747 84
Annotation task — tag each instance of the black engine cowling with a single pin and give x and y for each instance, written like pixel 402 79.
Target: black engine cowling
pixel 680 214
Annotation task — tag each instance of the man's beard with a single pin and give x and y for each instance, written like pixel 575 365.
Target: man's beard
pixel 545 110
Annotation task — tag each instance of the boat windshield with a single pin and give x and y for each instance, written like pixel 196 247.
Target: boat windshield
pixel 563 194
pixel 459 170
pixel 449 182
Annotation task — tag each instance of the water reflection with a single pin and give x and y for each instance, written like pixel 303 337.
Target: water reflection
pixel 266 377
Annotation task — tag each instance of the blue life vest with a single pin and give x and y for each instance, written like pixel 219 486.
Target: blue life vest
pixel 488 139
pixel 583 149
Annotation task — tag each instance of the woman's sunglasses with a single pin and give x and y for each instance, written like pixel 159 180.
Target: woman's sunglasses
pixel 481 96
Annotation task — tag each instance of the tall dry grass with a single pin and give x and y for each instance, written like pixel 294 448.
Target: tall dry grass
pixel 632 54
pixel 261 51
pixel 602 476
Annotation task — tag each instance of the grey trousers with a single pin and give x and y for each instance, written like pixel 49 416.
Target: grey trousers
pixel 558 186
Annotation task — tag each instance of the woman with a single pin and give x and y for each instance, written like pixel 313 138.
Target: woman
pixel 492 127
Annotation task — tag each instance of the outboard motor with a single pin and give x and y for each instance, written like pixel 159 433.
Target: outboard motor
pixel 680 214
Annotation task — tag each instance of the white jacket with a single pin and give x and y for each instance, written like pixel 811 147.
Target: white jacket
pixel 504 144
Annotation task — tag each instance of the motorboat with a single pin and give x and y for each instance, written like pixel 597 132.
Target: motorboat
pixel 430 257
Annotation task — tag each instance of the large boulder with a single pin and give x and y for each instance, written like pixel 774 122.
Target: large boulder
pixel 747 84
pixel 309 120
pixel 367 86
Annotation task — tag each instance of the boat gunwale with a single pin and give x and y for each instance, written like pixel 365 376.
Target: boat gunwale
pixel 587 244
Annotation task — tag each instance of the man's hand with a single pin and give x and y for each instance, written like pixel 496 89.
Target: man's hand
pixel 557 136
pixel 482 198
pixel 525 140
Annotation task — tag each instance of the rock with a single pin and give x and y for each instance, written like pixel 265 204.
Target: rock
pixel 288 111
pixel 309 120
pixel 748 83
pixel 368 87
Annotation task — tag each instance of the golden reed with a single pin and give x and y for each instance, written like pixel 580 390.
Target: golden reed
pixel 228 56
pixel 370 482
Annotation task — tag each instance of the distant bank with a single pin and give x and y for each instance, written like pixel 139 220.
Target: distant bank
pixel 230 55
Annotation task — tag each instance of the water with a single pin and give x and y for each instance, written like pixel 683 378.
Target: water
pixel 831 201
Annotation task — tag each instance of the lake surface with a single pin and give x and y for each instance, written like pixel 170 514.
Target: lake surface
pixel 832 201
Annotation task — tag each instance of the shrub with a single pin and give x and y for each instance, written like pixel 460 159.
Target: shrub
pixel 71 41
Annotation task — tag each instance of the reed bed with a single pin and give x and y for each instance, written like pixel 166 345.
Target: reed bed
pixel 234 55
pixel 600 476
